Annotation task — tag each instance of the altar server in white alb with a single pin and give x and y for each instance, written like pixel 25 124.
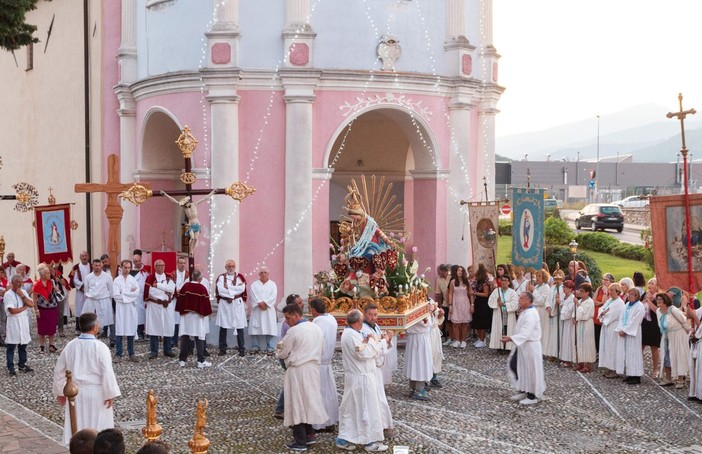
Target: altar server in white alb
pixel 385 349
pixel 419 362
pixel 231 307
pixel 553 308
pixel 327 324
pixel 360 414
pixel 98 296
pixel 526 365
pixel 76 277
pixel 181 277
pixel 263 325
pixel 609 316
pixel 125 291
pixel 140 272
pixel 504 303
pixel 159 291
pixel 629 353
pixel 302 348
pixel 567 346
pixel 585 328
pixel 90 362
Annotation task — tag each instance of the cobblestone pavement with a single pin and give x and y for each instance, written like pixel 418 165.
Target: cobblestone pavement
pixel 471 413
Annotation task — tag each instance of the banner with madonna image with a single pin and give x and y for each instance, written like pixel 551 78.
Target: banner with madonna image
pixel 483 231
pixel 528 228
pixel 53 229
pixel 669 230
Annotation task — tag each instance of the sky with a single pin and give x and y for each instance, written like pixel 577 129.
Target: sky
pixel 569 60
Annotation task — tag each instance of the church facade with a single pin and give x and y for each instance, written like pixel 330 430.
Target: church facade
pixel 296 98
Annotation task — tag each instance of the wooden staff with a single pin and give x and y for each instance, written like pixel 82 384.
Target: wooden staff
pixel 70 391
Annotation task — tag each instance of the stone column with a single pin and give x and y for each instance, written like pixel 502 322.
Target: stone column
pixel 297 14
pixel 224 161
pixel 485 154
pixel 486 12
pixel 126 57
pixel 457 228
pixel 223 39
pixel 459 51
pixel 298 36
pixel 299 97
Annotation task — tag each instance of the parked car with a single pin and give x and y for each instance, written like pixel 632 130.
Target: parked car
pixel 633 201
pixel 551 208
pixel 600 216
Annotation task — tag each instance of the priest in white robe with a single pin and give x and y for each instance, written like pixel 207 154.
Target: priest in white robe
pixel 567 347
pixel 370 327
pixel 527 374
pixel 586 353
pixel 504 303
pixel 90 362
pixel 542 294
pixel 76 278
pixel 553 309
pixel 302 350
pixel 98 297
pixel 140 272
pixel 419 362
pixel 629 353
pixel 231 307
pixel 609 316
pixel 263 326
pixel 181 276
pixel 159 292
pixel 125 291
pixel 328 325
pixel 360 415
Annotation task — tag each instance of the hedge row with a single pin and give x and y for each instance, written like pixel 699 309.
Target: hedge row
pixel 603 242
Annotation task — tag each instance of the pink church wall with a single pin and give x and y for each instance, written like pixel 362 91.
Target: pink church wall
pixel 427 235
pixel 263 214
pixel 320 225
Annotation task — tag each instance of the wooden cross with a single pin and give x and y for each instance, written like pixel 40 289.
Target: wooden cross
pixel 113 187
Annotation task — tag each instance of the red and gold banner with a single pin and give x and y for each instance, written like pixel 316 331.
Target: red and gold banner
pixel 53 224
pixel 483 230
pixel 668 227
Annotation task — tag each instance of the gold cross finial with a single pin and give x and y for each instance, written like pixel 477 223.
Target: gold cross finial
pixel 52 199
pixel 680 115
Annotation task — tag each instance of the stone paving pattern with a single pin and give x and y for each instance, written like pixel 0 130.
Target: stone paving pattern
pixel 579 412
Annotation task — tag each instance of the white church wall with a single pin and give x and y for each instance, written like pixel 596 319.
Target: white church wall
pixel 261 45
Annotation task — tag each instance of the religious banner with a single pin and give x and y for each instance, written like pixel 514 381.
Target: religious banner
pixel 483 218
pixel 528 228
pixel 670 240
pixel 53 230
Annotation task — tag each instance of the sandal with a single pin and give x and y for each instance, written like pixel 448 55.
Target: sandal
pixel 52 349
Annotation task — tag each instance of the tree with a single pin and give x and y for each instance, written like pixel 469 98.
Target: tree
pixel 14 31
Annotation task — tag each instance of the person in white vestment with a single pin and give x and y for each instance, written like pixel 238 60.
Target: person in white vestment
pixel 437 352
pixel 629 353
pixel 586 353
pixel 194 306
pixel 302 349
pixel 231 307
pixel 328 325
pixel 360 413
pixel 370 327
pixel 181 277
pixel 140 272
pixel 695 393
pixel 419 363
pixel 263 325
pixel 567 348
pixel 542 292
pixel 609 316
pixel 504 303
pixel 553 309
pixel 159 292
pixel 4 285
pixel 526 362
pixel 16 304
pixel 90 362
pixel 98 297
pixel 293 298
pixel 125 291
pixel 675 345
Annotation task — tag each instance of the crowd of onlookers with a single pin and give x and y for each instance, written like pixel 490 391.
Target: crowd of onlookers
pixel 586 327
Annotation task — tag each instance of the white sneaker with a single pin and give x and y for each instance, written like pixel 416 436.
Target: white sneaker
pixel 518 397
pixel 204 364
pixel 181 363
pixel 463 344
pixel 480 344
pixel 448 342
pixel 375 447
pixel 455 344
pixel 528 401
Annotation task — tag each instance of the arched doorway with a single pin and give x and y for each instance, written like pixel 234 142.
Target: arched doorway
pixel 398 145
pixel 160 162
